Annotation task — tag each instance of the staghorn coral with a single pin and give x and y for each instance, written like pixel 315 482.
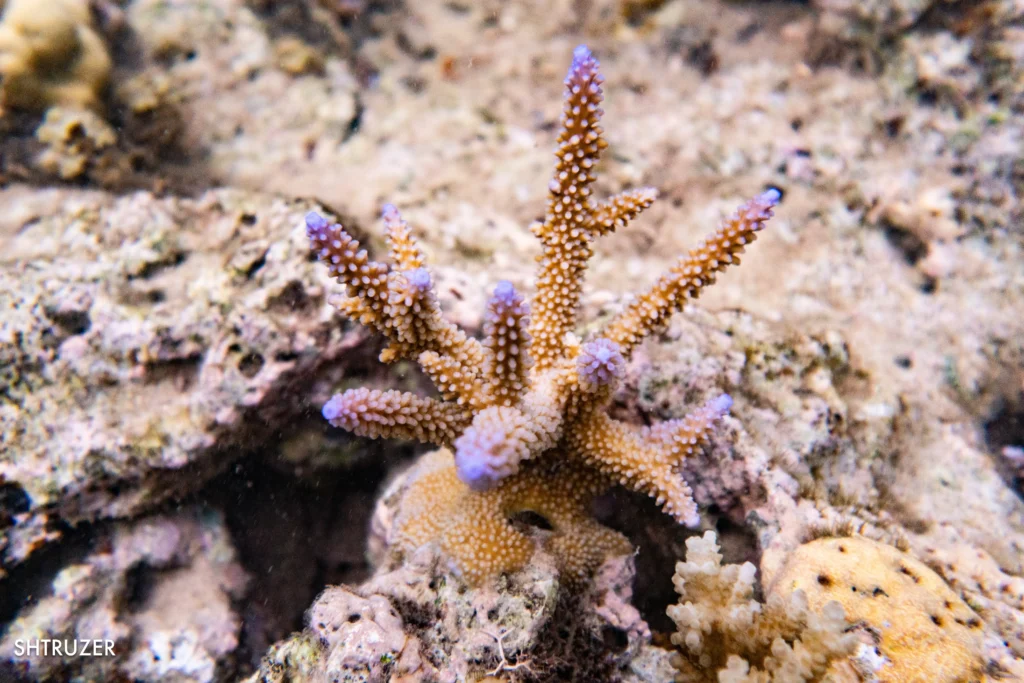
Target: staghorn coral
pixel 725 635
pixel 524 409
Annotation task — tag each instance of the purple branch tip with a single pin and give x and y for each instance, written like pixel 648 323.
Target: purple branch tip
pixel 505 293
pixel 389 210
pixel 600 362
pixel 315 222
pixel 721 405
pixel 419 278
pixel 582 60
pixel 771 197
pixel 333 408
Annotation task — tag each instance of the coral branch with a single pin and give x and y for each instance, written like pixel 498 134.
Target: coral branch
pixel 365 280
pixel 404 252
pixel 681 438
pixel 688 278
pixel 564 231
pixel 452 381
pixel 507 360
pixel 395 415
pixel 615 212
pixel 499 439
pixel 620 451
pixel 399 304
pixel 599 364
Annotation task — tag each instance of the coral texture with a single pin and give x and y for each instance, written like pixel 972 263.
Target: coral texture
pixel 524 410
pixel 726 635
pixel 923 628
pixel 50 53
pixel 412 624
pixel 131 348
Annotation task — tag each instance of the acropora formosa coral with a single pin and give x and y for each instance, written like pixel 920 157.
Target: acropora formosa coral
pixel 524 409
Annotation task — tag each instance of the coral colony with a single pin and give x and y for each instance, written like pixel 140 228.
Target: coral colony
pixel 524 410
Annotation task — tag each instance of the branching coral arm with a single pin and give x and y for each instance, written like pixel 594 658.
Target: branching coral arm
pixel 395 415
pixel 615 212
pixel 618 450
pixel 507 343
pixel 404 252
pixel 453 382
pixel 646 459
pixel 564 232
pixel 365 280
pixel 400 304
pixel 688 278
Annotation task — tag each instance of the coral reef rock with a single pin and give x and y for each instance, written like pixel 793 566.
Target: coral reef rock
pixel 161 590
pixel 145 344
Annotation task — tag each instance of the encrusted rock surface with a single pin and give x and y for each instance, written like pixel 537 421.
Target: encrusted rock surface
pixel 145 344
pixel 160 590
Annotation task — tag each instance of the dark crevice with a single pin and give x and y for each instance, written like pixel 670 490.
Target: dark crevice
pixel 1004 432
pixel 32 580
pixel 907 243
pixel 660 543
pixel 528 518
pixel 296 535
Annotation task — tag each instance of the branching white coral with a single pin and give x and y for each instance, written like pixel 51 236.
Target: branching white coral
pixel 724 634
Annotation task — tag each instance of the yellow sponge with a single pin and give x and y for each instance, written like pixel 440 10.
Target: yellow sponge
pixel 51 54
pixel 926 631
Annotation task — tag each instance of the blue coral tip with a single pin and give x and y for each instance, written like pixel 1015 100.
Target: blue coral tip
pixel 580 56
pixel 721 405
pixel 772 195
pixel 419 278
pixel 315 221
pixel 331 409
pixel 388 208
pixel 504 291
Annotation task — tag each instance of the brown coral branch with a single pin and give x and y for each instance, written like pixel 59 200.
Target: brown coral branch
pixel 395 415
pixel 687 279
pixel 507 361
pixel 621 452
pixel 404 252
pixel 399 304
pixel 564 230
pixel 453 382
pixel 615 212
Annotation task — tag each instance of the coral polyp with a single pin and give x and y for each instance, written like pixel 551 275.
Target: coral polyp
pixel 524 409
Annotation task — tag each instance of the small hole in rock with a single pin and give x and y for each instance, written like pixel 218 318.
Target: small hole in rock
pixel 615 639
pixel 250 364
